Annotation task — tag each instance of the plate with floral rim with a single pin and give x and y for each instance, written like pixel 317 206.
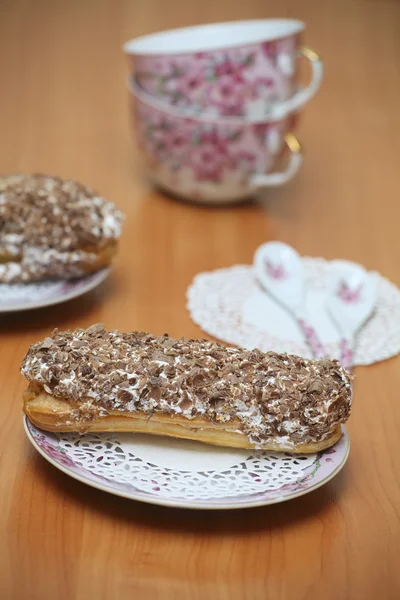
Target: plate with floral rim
pixel 185 474
pixel 15 297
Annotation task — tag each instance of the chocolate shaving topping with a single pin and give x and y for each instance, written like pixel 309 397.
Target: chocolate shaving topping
pixel 51 228
pixel 269 395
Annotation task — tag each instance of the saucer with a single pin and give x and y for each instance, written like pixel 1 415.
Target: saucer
pixel 185 474
pixel 16 297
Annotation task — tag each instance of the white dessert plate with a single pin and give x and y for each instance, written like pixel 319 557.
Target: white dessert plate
pixel 186 474
pixel 15 297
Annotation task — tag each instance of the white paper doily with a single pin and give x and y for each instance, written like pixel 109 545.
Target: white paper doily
pixel 187 474
pixel 230 305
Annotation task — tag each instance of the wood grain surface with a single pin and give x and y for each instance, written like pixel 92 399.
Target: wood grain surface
pixel 64 111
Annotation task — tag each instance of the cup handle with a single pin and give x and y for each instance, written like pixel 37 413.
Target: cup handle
pixel 261 180
pixel 303 95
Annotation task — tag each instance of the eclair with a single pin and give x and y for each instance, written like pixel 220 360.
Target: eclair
pixel 99 380
pixel 53 229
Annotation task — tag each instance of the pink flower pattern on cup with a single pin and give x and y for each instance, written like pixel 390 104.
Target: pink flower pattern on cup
pixel 204 152
pixel 221 82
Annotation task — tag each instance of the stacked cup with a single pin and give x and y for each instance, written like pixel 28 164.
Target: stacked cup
pixel 214 106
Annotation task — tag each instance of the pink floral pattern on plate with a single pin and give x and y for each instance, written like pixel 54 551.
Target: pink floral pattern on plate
pixel 222 82
pixel 318 471
pixel 26 296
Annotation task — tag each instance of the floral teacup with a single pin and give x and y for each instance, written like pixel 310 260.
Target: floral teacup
pixel 239 68
pixel 209 159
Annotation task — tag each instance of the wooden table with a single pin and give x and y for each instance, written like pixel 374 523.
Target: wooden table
pixel 64 111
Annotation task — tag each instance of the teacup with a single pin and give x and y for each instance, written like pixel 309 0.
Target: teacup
pixel 238 68
pixel 208 159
